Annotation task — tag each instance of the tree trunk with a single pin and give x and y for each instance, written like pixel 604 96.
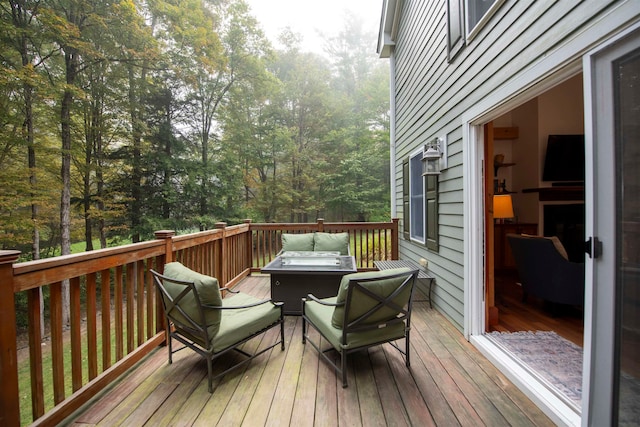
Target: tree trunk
pixel 100 192
pixel 71 62
pixel 88 222
pixel 136 140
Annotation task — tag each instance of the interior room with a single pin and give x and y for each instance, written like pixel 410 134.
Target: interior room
pixel 537 151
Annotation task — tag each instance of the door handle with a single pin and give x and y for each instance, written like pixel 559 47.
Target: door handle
pixel 593 247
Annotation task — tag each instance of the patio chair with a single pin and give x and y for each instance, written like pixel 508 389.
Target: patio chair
pixel 371 308
pixel 198 317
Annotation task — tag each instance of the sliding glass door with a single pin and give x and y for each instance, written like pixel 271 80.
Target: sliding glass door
pixel 612 77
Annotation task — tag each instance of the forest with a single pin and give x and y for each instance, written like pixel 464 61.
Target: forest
pixel 122 117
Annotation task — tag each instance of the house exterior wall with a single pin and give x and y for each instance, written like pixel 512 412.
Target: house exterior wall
pixel 432 94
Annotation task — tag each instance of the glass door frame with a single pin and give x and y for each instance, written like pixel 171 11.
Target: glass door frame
pixel 600 221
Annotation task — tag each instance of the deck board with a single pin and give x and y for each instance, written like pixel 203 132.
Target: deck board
pixel 449 383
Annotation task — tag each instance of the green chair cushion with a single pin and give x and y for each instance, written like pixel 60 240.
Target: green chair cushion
pixel 321 315
pixel 361 303
pixel 207 289
pixel 297 242
pixel 331 242
pixel 239 324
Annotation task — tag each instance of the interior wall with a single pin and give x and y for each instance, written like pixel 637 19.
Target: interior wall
pixel 557 111
pixel 526 173
pixel 560 111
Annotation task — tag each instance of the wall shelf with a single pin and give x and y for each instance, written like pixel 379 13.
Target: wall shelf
pixel 560 193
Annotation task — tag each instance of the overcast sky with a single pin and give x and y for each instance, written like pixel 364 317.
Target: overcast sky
pixel 307 17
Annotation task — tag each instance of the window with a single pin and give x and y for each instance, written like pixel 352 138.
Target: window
pixel 455 28
pixel 416 198
pixel 478 12
pixel 420 203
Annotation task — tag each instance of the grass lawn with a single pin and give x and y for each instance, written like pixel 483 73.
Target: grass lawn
pixel 24 374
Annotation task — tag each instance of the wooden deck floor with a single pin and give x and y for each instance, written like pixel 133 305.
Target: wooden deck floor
pixel 449 383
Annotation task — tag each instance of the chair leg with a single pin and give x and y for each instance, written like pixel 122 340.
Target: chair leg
pixel 304 331
pixel 170 348
pixel 210 373
pixel 406 340
pixel 282 335
pixel 343 363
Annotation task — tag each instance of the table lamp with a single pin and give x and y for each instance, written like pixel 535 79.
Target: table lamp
pixel 502 206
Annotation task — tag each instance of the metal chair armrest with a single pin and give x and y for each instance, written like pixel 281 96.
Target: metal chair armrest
pixel 255 304
pixel 319 301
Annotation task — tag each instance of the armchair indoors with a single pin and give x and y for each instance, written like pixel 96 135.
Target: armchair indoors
pixel 370 309
pixel 545 271
pixel 208 324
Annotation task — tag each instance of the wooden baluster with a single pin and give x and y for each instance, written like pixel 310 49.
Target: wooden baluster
pixel 92 326
pixel 150 298
pixel 129 284
pixel 105 299
pixel 140 302
pixel 394 239
pixel 35 352
pixel 118 306
pixel 57 357
pixel 160 319
pixel 221 255
pixel 76 334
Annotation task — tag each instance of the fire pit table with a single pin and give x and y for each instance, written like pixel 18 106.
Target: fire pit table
pixel 294 275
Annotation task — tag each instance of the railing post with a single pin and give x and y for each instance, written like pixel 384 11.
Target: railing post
pixel 9 394
pixel 249 244
pixel 221 272
pixel 167 236
pixel 395 241
pixel 320 225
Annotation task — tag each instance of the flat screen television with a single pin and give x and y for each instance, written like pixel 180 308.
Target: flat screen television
pixel 564 159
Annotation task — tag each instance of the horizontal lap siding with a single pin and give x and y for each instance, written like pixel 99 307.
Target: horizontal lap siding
pixel 432 95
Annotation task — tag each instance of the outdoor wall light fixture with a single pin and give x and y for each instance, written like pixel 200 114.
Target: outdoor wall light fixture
pixel 434 157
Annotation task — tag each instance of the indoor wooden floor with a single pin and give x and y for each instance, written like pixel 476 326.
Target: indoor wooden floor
pixel 533 315
pixel 449 383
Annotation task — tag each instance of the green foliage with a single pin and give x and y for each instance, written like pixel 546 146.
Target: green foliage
pixel 181 115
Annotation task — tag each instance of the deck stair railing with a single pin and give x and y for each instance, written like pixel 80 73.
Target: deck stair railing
pixel 115 315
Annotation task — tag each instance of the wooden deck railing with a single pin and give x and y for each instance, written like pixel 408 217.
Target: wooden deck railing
pixel 115 318
pixel 370 241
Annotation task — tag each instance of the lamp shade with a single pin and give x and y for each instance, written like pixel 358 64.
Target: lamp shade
pixel 502 206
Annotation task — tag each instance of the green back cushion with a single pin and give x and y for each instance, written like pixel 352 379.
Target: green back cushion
pixel 297 242
pixel 361 303
pixel 331 242
pixel 207 289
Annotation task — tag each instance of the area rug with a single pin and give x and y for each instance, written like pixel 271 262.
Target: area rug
pixel 553 358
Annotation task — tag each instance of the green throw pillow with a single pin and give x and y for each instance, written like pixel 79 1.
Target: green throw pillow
pixel 361 303
pixel 297 242
pixel 331 242
pixel 208 292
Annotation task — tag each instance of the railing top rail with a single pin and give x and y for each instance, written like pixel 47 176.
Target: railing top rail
pixel 31 274
pixel 313 226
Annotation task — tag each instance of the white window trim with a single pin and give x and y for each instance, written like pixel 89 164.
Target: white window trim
pixel 471 32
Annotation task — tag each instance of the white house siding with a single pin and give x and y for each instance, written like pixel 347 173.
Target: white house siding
pixel 431 96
